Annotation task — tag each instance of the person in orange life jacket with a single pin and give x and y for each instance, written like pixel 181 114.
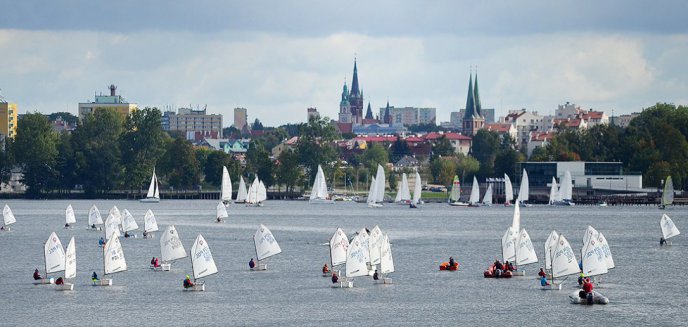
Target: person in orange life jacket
pixel 334 278
pixel 325 269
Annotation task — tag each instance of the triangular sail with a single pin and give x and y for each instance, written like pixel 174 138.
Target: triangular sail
pixel 606 250
pixel 525 188
pixel 171 247
pixel 456 189
pixel 262 192
pixel 374 245
pixel 668 193
pixel 157 186
pixel 380 184
pixel 153 191
pixel 94 217
pixel 669 230
pixel 149 222
pixel 8 216
pixel 70 218
pixel 516 220
pixel 404 193
pixel 475 192
pixel 487 198
pixel 386 260
pixel 417 189
pixel 111 227
pixel 113 256
pixel 114 212
pixel 364 237
pixel 566 189
pixel 563 259
pixel 338 246
pixel 70 259
pixel 508 245
pixel 128 222
pixel 356 264
pixel 525 253
pixel 594 262
pixel 226 185
pixel 319 190
pixel 202 262
pixel 54 254
pixel 252 196
pixel 554 192
pixel 508 189
pixel 550 244
pixel 221 211
pixel 372 193
pixel 242 193
pixel 265 243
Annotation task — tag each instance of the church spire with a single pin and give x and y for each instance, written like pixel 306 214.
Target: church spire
pixel 470 100
pixel 387 119
pixel 476 96
pixel 354 83
pixel 369 112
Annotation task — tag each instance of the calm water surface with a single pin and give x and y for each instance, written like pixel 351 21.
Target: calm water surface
pixel 648 286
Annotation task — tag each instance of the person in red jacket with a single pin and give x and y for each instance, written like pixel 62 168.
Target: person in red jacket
pixel 587 286
pixel 335 279
pixel 542 273
pixel 325 269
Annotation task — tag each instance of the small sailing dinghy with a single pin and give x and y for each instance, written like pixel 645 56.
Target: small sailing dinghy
pixel 241 193
pixel 374 246
pixel 550 243
pixel 171 248
pixel 70 218
pixel 339 243
pixel 129 224
pixel 667 193
pixel 417 191
pixel 150 225
pixel 524 190
pixel 94 218
pixel 70 266
pixel 111 227
pixel 266 246
pixel 226 195
pixel 487 198
pixel 455 194
pixel 256 193
pixel 564 197
pixel 8 218
pixel 54 259
pixel 113 260
pixel 562 260
pixel 508 191
pixel 404 193
pixel 116 215
pixel 220 212
pixel 202 263
pixel 319 193
pixel 356 264
pixel 668 228
pixel 153 195
pixel 386 261
pixel 474 199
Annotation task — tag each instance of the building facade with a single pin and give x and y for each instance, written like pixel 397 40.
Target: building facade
pixel 112 101
pixel 595 175
pixel 408 116
pixel 196 124
pixel 8 118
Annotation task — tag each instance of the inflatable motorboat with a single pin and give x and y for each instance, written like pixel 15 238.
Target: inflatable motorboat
pixel 491 272
pixel 589 298
pixel 445 266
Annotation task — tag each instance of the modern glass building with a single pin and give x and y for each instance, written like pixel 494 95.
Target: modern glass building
pixel 598 175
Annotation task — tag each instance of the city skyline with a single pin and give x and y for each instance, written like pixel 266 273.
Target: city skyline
pixel 277 61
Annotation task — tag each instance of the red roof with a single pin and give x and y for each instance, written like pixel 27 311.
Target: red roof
pixel 414 139
pixel 499 127
pixel 450 136
pixel 542 136
pixel 376 139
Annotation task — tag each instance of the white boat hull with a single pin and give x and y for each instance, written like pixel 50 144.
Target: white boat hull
pixel 384 281
pixel 162 267
pixel 518 273
pixel 103 282
pixel 329 273
pixel 597 298
pixel 44 281
pixel 149 200
pixel 260 266
pixel 458 204
pixel 343 284
pixel 65 287
pixel 198 287
pixel 552 287
pixel 320 201
pixel 374 205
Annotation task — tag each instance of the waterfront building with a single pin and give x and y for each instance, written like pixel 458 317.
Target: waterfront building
pixel 112 101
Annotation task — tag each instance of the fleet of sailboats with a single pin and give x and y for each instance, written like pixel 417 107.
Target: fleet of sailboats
pixel 319 193
pixel 562 196
pixel 153 195
pixel 257 193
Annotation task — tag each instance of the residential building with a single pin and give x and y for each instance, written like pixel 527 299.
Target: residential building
pixel 408 116
pixel 460 143
pixel 196 124
pixel 624 120
pixel 473 119
pixel 8 118
pixel 503 129
pixel 407 162
pixel 240 118
pixel 378 129
pixel 112 101
pixel 595 175
pixel 289 144
pixel 524 122
pixel 538 139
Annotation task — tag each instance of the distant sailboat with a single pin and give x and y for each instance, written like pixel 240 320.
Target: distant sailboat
pixel 266 246
pixel 524 190
pixel 242 193
pixel 226 196
pixel 474 199
pixel 508 191
pixel 54 259
pixel 171 248
pixel 128 224
pixel 153 195
pixel 220 212
pixel 554 195
pixel 377 192
pixel 256 193
pixel 404 193
pixel 668 228
pixel 113 260
pixel 386 261
pixel 8 217
pixel 111 226
pixel 372 194
pixel 565 195
pixel 455 195
pixel 339 243
pixel 319 193
pixel 70 218
pixel 667 193
pixel 94 218
pixel 487 198
pixel 417 191
pixel 150 225
pixel 202 263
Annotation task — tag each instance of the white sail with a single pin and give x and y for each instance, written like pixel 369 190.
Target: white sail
pixel 242 193
pixel 456 189
pixel 265 243
pixel 550 244
pixel 380 184
pixel 372 193
pixel 364 237
pixel 386 260
pixel 8 216
pixel 153 191
pixel 508 245
pixel 417 189
pixel 128 222
pixel 374 245
pixel 221 211
pixel 338 246
pixel 70 259
pixel 606 250
pixel 668 193
pixel 94 217
pixel 590 233
pixel 525 188
pixel 404 193
pixel 226 186
pixel 508 189
pixel 202 262
pixel 70 218
pixel 487 198
pixel 54 254
pixel 149 222
pixel 111 227
pixel 114 212
pixel 171 247
pixel 356 263
pixel 252 196
pixel 669 230
pixel 564 261
pixel 554 195
pixel 516 220
pixel 525 253
pixel 113 256
pixel 475 192
pixel 567 187
pixel 262 192
pixel 593 259
pixel 319 190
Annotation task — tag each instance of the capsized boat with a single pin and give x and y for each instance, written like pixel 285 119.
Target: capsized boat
pixel 202 263
pixel 153 195
pixel 266 246
pixel 171 248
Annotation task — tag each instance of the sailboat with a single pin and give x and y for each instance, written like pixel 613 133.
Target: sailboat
pixel 114 212
pixel 113 260
pixel 111 227
pixel 525 252
pixel 256 193
pixel 404 193
pixel 150 225
pixel 668 228
pixel 54 259
pixel 372 194
pixel 487 198
pixel 242 193
pixel 94 218
pixel 564 197
pixel 70 218
pixel 377 192
pixel 554 192
pixel 226 196
pixel 129 224
pixel 417 192
pixel 202 263
pixel 524 190
pixel 171 248
pixel 594 264
pixel 153 195
pixel 386 261
pixel 667 193
pixel 474 199
pixel 70 266
pixel 550 243
pixel 220 212
pixel 356 264
pixel 339 243
pixel 266 246
pixel 455 194
pixel 508 191
pixel 562 260
pixel 319 194
pixel 8 217
pixel 374 246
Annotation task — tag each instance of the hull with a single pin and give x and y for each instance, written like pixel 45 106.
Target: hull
pixel 374 205
pixel 320 201
pixel 565 203
pixel 552 287
pixel 458 204
pixel 518 273
pixel 149 200
pixel 102 282
pixel 594 298
pixel 343 284
pixel 162 267
pixel 260 267
pixel 445 266
pixel 198 287
pixel 44 281
pixel 384 281
pixel 65 287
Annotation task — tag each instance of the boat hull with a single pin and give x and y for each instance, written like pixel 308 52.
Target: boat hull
pixel 44 281
pixel 320 201
pixel 198 287
pixel 595 298
pixel 552 287
pixel 260 267
pixel 149 200
pixel 102 282
pixel 458 204
pixel 374 205
pixel 65 287
pixel 445 266
pixel 343 284
pixel 384 281
pixel 162 267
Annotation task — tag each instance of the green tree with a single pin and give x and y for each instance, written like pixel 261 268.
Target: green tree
pixel 315 145
pixel 6 159
pixel 485 146
pixel 258 161
pixel 442 147
pixel 466 166
pixel 443 170
pixel 399 149
pixel 213 167
pixel 180 165
pixel 66 163
pixel 373 156
pixel 142 145
pixel 35 149
pixel 257 125
pixel 289 172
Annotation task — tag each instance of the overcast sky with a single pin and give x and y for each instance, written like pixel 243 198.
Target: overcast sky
pixel 276 58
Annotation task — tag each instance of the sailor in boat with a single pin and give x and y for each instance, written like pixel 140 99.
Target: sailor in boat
pixel 219 220
pixel 145 234
pixel 508 266
pixel 155 262
pixel 451 262
pixel 101 242
pixel 94 277
pixel 126 234
pixel 543 281
pixel 66 225
pixel 412 206
pixel 542 273
pixel 581 279
pixel 93 226
pixel 251 264
pixel 662 241
pixel 325 269
pixel 59 281
pixel 375 276
pixel 37 275
pixel 335 279
pixel 187 282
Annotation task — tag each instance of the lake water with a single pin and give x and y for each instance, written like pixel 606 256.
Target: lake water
pixel 647 287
